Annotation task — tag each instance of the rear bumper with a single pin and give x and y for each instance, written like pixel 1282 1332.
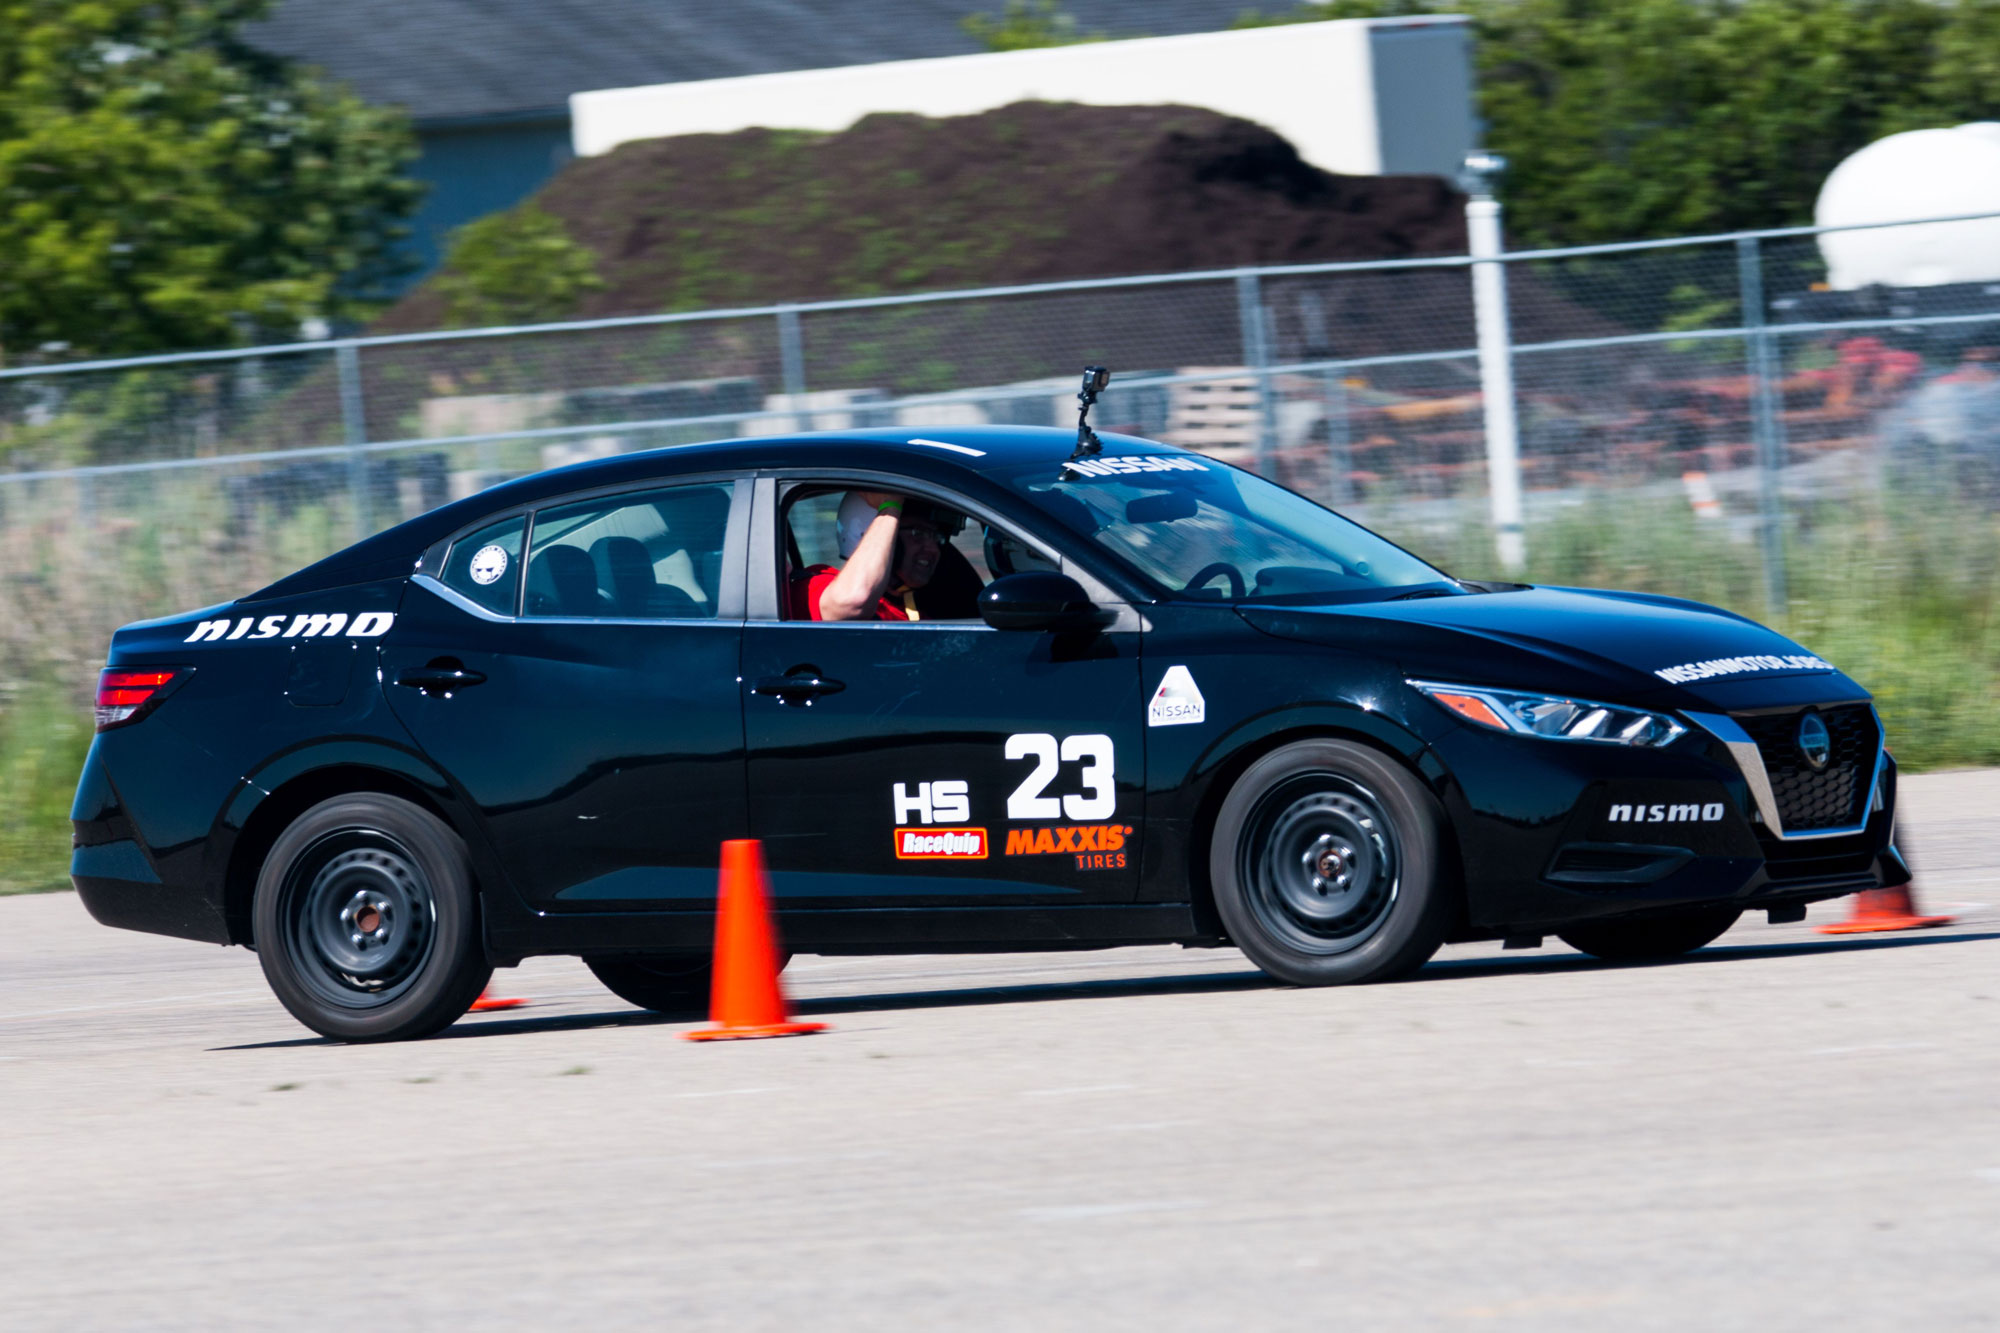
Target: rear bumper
pixel 116 877
pixel 119 888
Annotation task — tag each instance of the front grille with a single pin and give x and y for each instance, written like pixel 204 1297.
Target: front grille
pixel 1831 797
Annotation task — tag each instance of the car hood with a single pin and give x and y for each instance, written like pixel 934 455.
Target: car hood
pixel 1634 647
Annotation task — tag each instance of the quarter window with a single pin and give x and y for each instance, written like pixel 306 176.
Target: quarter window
pixel 651 556
pixel 485 567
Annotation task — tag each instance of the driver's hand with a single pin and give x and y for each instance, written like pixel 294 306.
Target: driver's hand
pixel 876 499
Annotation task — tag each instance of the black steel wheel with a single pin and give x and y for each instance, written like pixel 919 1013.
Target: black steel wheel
pixel 1328 865
pixel 367 922
pixel 1650 939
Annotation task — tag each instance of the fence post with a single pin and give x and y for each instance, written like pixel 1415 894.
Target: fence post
pixel 1339 441
pixel 354 430
pixel 791 355
pixel 1254 319
pixel 1766 430
pixel 1496 356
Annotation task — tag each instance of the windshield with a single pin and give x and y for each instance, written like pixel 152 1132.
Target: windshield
pixel 1203 529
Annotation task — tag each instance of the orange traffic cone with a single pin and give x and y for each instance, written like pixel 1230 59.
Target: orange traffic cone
pixel 1883 909
pixel 488 1000
pixel 746 999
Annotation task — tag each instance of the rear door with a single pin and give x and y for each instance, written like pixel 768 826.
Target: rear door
pixel 585 700
pixel 941 763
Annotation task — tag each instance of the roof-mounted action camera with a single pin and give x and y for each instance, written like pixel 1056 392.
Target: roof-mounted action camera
pixel 1095 378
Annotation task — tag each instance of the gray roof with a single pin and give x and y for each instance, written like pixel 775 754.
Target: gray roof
pixel 451 59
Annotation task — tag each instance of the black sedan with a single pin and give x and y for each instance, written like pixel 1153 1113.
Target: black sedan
pixel 1135 695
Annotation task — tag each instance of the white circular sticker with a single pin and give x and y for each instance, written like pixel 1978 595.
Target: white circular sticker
pixel 488 564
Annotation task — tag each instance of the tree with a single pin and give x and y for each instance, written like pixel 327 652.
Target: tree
pixel 163 185
pixel 516 267
pixel 1624 119
pixel 1026 25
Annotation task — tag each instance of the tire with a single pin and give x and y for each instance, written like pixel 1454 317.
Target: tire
pixel 664 983
pixel 1330 866
pixel 1650 938
pixel 367 922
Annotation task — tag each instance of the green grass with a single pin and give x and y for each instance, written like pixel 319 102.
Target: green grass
pixel 43 738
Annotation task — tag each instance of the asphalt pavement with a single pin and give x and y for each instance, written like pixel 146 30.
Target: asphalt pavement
pixel 1785 1130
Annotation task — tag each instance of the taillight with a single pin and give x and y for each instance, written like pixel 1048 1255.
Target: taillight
pixel 123 694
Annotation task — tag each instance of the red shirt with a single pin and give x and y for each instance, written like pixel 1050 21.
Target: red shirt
pixel 806 586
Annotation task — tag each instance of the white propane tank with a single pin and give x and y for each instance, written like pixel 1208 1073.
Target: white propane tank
pixel 1919 174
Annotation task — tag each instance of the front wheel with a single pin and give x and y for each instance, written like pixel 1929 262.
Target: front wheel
pixel 367 921
pixel 1650 939
pixel 1330 867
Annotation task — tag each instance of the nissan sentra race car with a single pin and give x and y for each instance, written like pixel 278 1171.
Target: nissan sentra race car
pixel 1143 696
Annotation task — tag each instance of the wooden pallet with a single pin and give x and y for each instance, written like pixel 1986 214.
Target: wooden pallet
pixel 1213 415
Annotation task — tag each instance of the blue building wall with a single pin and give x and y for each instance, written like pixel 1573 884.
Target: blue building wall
pixel 478 167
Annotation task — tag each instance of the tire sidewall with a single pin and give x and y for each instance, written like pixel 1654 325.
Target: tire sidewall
pixel 1417 920
pixel 456 969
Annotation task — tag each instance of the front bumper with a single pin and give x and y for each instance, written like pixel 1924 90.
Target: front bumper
pixel 1552 833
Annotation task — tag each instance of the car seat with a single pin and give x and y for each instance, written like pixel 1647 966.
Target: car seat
pixel 562 581
pixel 625 575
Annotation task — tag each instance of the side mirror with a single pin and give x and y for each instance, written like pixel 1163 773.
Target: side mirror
pixel 1037 599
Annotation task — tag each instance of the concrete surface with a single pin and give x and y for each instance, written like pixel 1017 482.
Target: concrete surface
pixel 1783 1131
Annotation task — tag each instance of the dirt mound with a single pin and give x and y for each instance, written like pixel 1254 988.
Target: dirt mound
pixel 1030 192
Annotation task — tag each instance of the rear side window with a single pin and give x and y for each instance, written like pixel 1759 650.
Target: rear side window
pixel 485 566
pixel 656 555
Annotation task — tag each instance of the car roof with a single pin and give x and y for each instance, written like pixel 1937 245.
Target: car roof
pixel 938 452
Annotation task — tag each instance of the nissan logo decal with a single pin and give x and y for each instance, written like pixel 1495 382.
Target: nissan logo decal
pixel 1814 742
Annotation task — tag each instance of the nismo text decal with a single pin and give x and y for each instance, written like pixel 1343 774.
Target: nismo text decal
pixel 318 624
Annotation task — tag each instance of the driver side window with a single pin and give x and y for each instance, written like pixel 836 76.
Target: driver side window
pixel 971 554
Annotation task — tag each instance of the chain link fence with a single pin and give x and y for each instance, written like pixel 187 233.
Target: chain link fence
pixel 1687 411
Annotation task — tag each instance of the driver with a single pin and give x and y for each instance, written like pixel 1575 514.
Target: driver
pixel 890 553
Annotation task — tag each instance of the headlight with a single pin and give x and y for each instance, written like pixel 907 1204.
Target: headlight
pixel 1553 716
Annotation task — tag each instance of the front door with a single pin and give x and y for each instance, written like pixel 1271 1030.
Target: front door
pixel 939 763
pixel 592 716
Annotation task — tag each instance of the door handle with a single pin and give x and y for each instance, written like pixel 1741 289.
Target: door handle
pixel 440 680
pixel 802 688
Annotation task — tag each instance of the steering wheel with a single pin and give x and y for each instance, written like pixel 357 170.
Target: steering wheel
pixel 1210 570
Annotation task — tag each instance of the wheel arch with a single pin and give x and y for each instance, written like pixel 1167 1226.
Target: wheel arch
pixel 299 789
pixel 1393 744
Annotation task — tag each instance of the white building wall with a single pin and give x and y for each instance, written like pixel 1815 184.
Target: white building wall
pixel 1313 83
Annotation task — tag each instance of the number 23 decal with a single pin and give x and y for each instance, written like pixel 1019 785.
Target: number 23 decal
pixel 1098 800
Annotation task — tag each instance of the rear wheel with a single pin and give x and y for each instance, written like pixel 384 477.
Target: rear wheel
pixel 1650 938
pixel 1328 865
pixel 367 921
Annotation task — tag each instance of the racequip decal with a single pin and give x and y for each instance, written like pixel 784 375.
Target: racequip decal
pixel 933 803
pixel 1177 702
pixel 941 844
pixel 1736 666
pixel 1687 813
pixel 318 624
pixel 1095 846
pixel 1111 467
